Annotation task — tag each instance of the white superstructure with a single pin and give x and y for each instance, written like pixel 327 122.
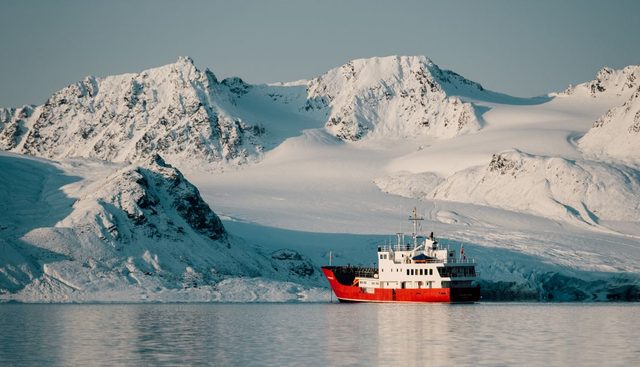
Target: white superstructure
pixel 422 263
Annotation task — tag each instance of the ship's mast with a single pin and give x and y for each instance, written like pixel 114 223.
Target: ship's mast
pixel 414 218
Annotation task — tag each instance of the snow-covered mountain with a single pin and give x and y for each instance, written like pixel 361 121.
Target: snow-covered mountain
pixel 548 176
pixel 608 82
pixel 395 96
pixel 545 201
pixel 616 134
pixel 121 231
pixel 175 110
pixel 547 186
pixel 186 114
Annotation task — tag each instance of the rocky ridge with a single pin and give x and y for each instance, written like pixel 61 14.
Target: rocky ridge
pixel 608 81
pixel 616 134
pixel 186 114
pixel 175 110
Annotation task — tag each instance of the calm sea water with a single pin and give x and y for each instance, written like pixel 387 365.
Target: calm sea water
pixel 320 334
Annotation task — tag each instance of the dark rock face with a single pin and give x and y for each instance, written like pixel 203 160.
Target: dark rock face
pixel 294 262
pixel 12 125
pixel 154 196
pixel 286 254
pixel 503 165
pixel 635 128
pixel 236 86
pixel 555 287
pixel 347 129
pixel 598 85
pixel 185 198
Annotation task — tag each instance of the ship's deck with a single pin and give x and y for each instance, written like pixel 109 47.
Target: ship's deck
pixel 347 274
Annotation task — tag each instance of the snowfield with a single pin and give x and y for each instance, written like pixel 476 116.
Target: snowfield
pixel 262 181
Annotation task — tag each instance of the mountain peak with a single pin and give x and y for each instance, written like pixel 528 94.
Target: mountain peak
pixel 185 60
pixel 449 80
pixel 609 81
pixel 392 60
pixel 173 109
pixel 393 95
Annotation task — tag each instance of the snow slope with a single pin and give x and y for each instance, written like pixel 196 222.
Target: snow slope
pixel 548 186
pixel 616 134
pixel 89 231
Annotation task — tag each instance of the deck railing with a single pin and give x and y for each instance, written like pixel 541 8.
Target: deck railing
pixel 450 260
pixel 366 272
pixel 395 248
pixel 466 260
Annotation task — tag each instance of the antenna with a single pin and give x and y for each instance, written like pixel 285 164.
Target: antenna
pixel 415 219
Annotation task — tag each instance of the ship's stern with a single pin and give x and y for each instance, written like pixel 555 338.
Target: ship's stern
pixel 464 295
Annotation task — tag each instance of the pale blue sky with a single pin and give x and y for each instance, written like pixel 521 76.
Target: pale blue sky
pixel 523 48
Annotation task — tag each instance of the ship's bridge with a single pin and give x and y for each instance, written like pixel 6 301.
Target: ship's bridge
pixel 421 263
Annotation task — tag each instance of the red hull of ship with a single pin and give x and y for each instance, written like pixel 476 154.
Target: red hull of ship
pixel 352 293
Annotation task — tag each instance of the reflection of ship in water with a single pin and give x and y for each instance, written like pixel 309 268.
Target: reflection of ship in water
pixel 421 271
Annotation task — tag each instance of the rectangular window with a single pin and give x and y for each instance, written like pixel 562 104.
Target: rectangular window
pixel 421 272
pixel 380 256
pixel 430 271
pixel 407 271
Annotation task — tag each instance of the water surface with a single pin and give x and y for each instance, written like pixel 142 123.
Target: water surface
pixel 320 334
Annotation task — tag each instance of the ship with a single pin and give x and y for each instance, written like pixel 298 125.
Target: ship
pixel 415 272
